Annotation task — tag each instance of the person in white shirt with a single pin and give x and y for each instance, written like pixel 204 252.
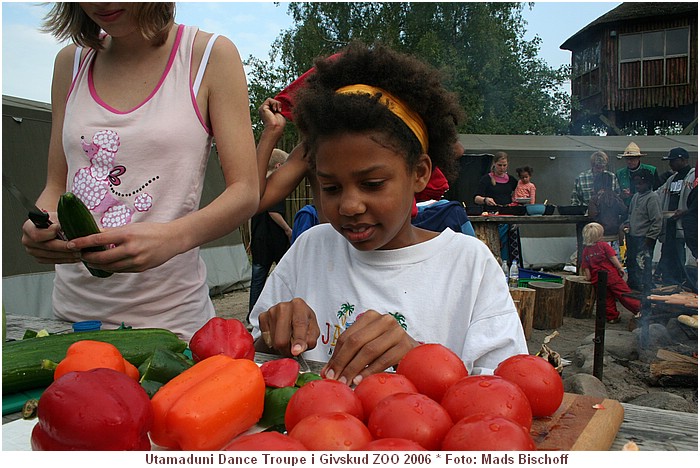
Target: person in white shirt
pixel 365 288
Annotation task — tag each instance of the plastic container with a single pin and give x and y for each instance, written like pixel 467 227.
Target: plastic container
pixel 514 275
pixel 527 276
pixel 88 325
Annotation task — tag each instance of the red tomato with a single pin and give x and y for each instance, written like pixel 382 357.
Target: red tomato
pixel 373 388
pixel 280 373
pixel 487 432
pixel 331 431
pixel 488 394
pixel 392 444
pixel 539 380
pixel 321 396
pixel 432 368
pixel 263 442
pixel 411 416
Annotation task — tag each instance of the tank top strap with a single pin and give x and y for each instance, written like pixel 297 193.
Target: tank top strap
pixel 203 64
pixel 78 65
pixel 76 62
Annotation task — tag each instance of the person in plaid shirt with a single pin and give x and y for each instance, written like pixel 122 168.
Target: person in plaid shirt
pixel 583 186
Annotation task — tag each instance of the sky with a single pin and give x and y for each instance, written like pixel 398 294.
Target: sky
pixel 27 54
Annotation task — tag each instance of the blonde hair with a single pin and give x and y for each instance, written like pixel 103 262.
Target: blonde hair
pixel 592 233
pixel 278 157
pixel 499 156
pixel 67 20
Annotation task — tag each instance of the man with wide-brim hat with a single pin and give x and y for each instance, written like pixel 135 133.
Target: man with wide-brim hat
pixel 673 195
pixel 632 156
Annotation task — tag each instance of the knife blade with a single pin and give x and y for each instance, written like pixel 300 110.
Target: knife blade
pixel 303 365
pixel 38 217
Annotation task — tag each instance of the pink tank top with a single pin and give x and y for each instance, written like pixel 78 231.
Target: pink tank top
pixel 143 165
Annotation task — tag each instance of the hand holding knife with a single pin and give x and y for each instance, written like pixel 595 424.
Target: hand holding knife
pixel 39 217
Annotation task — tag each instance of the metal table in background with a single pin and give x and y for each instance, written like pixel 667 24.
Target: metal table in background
pixel 486 228
pixel 650 428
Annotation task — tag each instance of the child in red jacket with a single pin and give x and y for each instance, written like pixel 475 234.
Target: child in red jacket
pixel 599 256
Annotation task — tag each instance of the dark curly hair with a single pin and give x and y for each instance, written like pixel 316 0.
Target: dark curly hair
pixel 320 112
pixel 524 169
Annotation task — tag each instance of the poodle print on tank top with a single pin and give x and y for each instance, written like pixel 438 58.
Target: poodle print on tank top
pixel 98 184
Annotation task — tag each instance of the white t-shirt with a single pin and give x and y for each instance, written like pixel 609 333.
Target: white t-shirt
pixel 448 290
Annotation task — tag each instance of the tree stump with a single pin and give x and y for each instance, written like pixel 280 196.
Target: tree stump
pixel 524 299
pixel 488 234
pixel 549 305
pixel 579 297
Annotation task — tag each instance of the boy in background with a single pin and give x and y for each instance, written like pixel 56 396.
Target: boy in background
pixel 643 228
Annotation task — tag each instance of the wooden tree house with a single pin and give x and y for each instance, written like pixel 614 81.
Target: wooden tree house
pixel 637 66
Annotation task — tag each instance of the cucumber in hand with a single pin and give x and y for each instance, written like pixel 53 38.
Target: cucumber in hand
pixel 77 221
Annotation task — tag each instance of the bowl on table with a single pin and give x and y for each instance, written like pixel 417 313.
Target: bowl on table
pixel 572 210
pixel 513 210
pixel 536 209
pixel 549 209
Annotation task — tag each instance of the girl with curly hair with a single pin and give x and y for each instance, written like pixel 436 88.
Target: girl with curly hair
pixel 374 123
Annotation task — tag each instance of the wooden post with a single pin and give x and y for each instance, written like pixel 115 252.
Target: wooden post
pixel 599 337
pixel 549 305
pixel 524 299
pixel 488 234
pixel 579 297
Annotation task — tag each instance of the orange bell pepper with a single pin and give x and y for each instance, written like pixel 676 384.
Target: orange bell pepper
pixel 209 404
pixel 88 354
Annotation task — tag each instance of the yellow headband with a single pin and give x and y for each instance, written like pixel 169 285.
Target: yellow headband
pixel 397 107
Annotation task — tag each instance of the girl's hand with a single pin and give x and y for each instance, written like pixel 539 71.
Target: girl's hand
pixel 372 344
pixel 44 244
pixel 290 328
pixel 132 248
pixel 270 114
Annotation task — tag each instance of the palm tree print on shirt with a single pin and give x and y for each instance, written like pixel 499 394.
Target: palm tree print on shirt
pixel 345 311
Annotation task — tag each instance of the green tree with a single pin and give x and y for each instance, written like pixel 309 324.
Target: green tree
pixel 479 47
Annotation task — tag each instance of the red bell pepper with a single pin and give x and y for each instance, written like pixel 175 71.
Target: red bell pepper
pixel 222 336
pixel 98 409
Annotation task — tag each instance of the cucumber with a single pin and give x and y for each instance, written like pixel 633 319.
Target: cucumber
pixel 163 365
pixel 21 360
pixel 77 221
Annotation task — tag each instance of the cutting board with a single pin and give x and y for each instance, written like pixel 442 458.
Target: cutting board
pixel 581 423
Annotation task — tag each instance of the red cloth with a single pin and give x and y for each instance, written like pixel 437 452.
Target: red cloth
pixel 436 188
pixel 286 96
